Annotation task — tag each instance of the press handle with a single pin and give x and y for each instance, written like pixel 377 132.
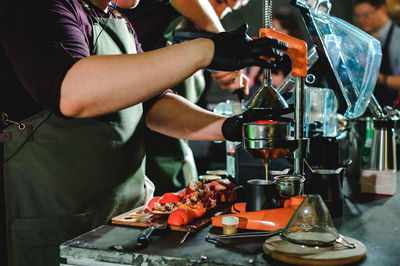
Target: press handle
pixel 297 50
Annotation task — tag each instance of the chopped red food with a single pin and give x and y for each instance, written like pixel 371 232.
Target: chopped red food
pixel 193 202
pixel 165 204
pixel 152 203
pixel 180 217
pixel 266 122
pixel 196 210
pixel 170 198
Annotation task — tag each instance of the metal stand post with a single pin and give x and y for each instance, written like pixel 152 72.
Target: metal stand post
pixel 299 154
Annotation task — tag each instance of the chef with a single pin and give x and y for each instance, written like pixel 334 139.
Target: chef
pixel 76 94
pixel 169 161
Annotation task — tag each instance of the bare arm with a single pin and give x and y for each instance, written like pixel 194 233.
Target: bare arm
pixel 103 84
pixel 393 82
pixel 175 116
pixel 199 12
pixel 234 80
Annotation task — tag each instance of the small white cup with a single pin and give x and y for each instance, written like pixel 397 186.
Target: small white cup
pixel 230 225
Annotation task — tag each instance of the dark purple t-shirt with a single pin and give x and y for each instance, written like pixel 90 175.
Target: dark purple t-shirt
pixel 38 47
pixel 151 18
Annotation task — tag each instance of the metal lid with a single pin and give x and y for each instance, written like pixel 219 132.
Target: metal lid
pixel 230 220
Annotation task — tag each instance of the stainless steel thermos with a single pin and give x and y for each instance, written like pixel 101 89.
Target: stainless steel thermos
pixel 383 149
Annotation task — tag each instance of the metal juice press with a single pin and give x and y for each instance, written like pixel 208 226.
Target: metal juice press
pixel 341 58
pixel 270 138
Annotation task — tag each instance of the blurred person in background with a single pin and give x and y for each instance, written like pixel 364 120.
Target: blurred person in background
pixel 170 162
pixel 372 17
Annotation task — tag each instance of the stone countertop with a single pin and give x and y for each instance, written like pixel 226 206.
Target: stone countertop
pixel 372 219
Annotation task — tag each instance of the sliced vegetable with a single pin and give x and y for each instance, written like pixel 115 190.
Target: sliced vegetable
pixel 151 203
pixel 196 210
pixel 170 198
pixel 180 217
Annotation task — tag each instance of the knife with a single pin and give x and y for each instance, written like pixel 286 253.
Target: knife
pixel 189 228
pixel 144 237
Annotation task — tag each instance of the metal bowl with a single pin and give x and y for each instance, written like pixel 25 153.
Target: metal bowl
pixel 268 140
pixel 289 185
pixel 275 131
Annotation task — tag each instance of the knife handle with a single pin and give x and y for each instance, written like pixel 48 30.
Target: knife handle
pixel 143 239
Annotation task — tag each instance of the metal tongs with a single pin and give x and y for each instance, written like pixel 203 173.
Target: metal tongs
pixel 210 238
pixel 310 225
pixel 244 235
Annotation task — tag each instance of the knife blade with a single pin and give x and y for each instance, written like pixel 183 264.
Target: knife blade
pixel 144 237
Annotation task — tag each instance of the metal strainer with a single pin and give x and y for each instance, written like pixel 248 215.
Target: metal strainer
pixel 310 225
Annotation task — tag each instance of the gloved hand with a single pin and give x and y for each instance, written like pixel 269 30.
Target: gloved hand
pixel 232 126
pixel 236 50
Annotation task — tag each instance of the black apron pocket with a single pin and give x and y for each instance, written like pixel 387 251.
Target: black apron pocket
pixel 36 241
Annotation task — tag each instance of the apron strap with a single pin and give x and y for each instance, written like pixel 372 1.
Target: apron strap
pixel 3 221
pixel 90 13
pixel 4 137
pixel 87 8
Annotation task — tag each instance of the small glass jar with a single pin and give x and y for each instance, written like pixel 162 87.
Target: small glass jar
pixel 230 225
pixel 209 178
pixel 221 173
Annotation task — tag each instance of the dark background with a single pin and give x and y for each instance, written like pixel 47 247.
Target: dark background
pixel 252 13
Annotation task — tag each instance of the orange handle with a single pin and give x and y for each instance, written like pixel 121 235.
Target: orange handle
pixel 297 50
pixel 265 220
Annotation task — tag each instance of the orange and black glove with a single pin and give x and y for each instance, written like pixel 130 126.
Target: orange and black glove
pixel 235 50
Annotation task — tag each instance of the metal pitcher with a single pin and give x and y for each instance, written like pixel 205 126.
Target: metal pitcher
pixel 383 150
pixel 328 183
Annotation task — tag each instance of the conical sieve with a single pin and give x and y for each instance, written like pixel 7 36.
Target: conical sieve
pixel 310 225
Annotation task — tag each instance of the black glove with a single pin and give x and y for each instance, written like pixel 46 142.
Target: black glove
pixel 236 50
pixel 232 128
pixel 182 35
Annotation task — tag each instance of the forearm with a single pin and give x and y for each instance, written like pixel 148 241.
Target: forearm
pixel 175 116
pixel 199 12
pixel 393 82
pixel 99 85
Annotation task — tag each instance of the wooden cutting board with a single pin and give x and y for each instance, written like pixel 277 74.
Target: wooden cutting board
pixel 138 217
pixel 287 252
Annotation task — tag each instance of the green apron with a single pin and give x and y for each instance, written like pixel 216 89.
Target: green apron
pixel 75 174
pixel 170 163
pixel 193 87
